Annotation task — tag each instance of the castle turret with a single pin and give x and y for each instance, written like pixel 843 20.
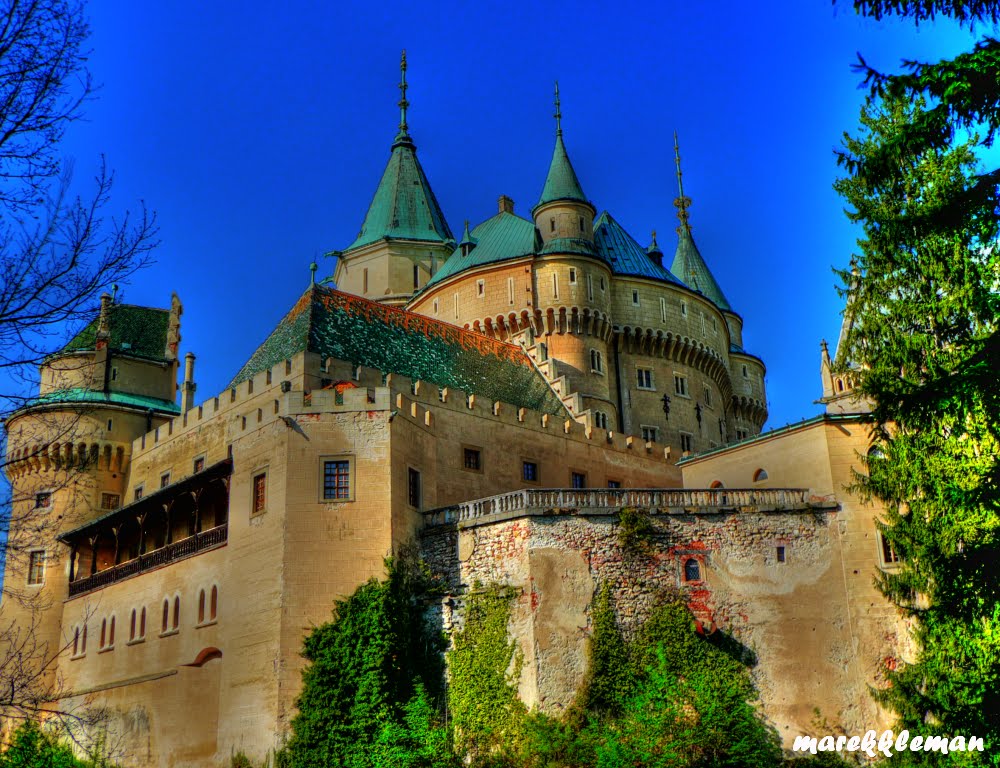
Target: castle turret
pixel 404 237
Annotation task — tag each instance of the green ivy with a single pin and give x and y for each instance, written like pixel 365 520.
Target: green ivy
pixel 32 747
pixel 484 666
pixel 635 530
pixel 610 677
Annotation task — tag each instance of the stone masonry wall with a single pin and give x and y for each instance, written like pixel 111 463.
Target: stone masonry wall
pixel 791 613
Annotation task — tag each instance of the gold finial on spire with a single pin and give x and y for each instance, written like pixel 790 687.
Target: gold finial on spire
pixel 403 103
pixel 558 114
pixel 681 202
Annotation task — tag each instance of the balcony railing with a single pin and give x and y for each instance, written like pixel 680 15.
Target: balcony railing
pixel 192 545
pixel 608 500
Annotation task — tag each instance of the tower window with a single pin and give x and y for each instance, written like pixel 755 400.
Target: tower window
pixel 177 612
pixel 259 493
pixel 364 281
pixel 581 224
pixel 416 275
pixel 596 361
pixel 746 373
pixel 572 276
pixel 213 607
pixel 635 297
pixel 555 285
pixel 114 374
pixel 336 480
pixel 680 385
pixel 708 396
pixel 684 308
pixel 413 487
pixel 663 310
pixel 480 288
pixel 510 290
pixel 36 568
pixel 601 420
pixel 456 306
pixel 590 288
pixel 111 423
pixel 435 307
pixel 552 225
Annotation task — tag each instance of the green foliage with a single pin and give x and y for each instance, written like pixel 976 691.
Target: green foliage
pixel 635 530
pixel 610 673
pixel 416 741
pixel 925 347
pixel 484 666
pixel 375 656
pixel 31 747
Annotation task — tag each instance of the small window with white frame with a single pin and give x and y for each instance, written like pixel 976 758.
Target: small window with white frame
pixel 649 434
pixel 480 288
pixel 572 275
pixel 708 396
pixel 337 479
pixel 635 297
pixel 590 287
pixel 687 442
pixel 663 310
pixel 510 290
pixel 596 361
pixel 644 378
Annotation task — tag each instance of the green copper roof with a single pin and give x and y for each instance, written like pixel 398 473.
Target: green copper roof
pixel 624 254
pixel 503 237
pixel 561 183
pixel 404 205
pixel 94 397
pixel 139 331
pixel 346 327
pixel 692 269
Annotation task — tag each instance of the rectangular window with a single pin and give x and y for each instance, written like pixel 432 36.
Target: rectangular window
pixel 472 458
pixel 43 500
pixel 164 479
pixel 644 378
pixel 578 480
pixel 510 290
pixel 199 464
pixel 555 285
pixel 704 325
pixel 572 276
pixel 635 297
pixel 364 282
pixel 480 288
pixel 337 479
pixel 746 373
pixel 596 361
pixel 435 307
pixel 590 288
pixel 138 492
pixel 413 487
pixel 686 441
pixel 708 396
pixel 529 472
pixel 663 310
pixel 110 501
pixel 648 434
pixel 36 568
pixel 780 554
pixel 684 309
pixel 715 325
pixel 680 385
pixel 416 275
pixel 456 306
pixel 614 483
pixel 889 556
pixel 259 493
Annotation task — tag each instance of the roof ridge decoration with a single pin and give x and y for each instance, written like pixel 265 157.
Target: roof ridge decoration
pixel 561 183
pixel 404 206
pixel 688 262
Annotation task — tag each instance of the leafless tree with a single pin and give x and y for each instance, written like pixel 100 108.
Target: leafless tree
pixel 59 250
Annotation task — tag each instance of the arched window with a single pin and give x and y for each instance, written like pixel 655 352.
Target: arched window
pixel 214 607
pixel 104 632
pixel 131 627
pixel 692 571
pixel 166 614
pixel 111 633
pixel 840 385
pixel 76 641
pixel 716 484
pixel 142 623
pixel 83 642
pixel 201 607
pixel 177 611
pixel 760 475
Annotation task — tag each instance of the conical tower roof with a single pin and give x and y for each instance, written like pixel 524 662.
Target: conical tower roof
pixel 688 264
pixel 404 205
pixel 561 182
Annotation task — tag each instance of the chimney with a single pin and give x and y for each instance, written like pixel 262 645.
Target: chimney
pixel 188 387
pixel 506 204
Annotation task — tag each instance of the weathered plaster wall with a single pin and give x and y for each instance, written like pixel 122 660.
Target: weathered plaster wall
pixel 792 614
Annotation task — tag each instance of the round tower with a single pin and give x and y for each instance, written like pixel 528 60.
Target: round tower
pixel 68 452
pixel 572 290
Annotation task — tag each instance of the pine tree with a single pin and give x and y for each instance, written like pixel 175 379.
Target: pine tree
pixel 924 346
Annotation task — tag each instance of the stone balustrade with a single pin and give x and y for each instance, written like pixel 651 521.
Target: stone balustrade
pixel 609 500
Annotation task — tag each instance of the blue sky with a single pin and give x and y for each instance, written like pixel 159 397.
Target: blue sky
pixel 258 132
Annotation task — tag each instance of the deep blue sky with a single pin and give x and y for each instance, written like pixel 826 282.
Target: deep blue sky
pixel 258 132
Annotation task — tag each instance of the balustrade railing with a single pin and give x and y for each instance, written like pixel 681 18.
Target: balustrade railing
pixel 178 550
pixel 583 500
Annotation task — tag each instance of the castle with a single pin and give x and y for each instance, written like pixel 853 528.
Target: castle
pixel 499 398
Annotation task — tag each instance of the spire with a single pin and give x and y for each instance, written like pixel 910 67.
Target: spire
pixel 561 182
pixel 681 201
pixel 654 252
pixel 404 206
pixel 403 103
pixel 468 241
pixel 688 264
pixel 558 114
